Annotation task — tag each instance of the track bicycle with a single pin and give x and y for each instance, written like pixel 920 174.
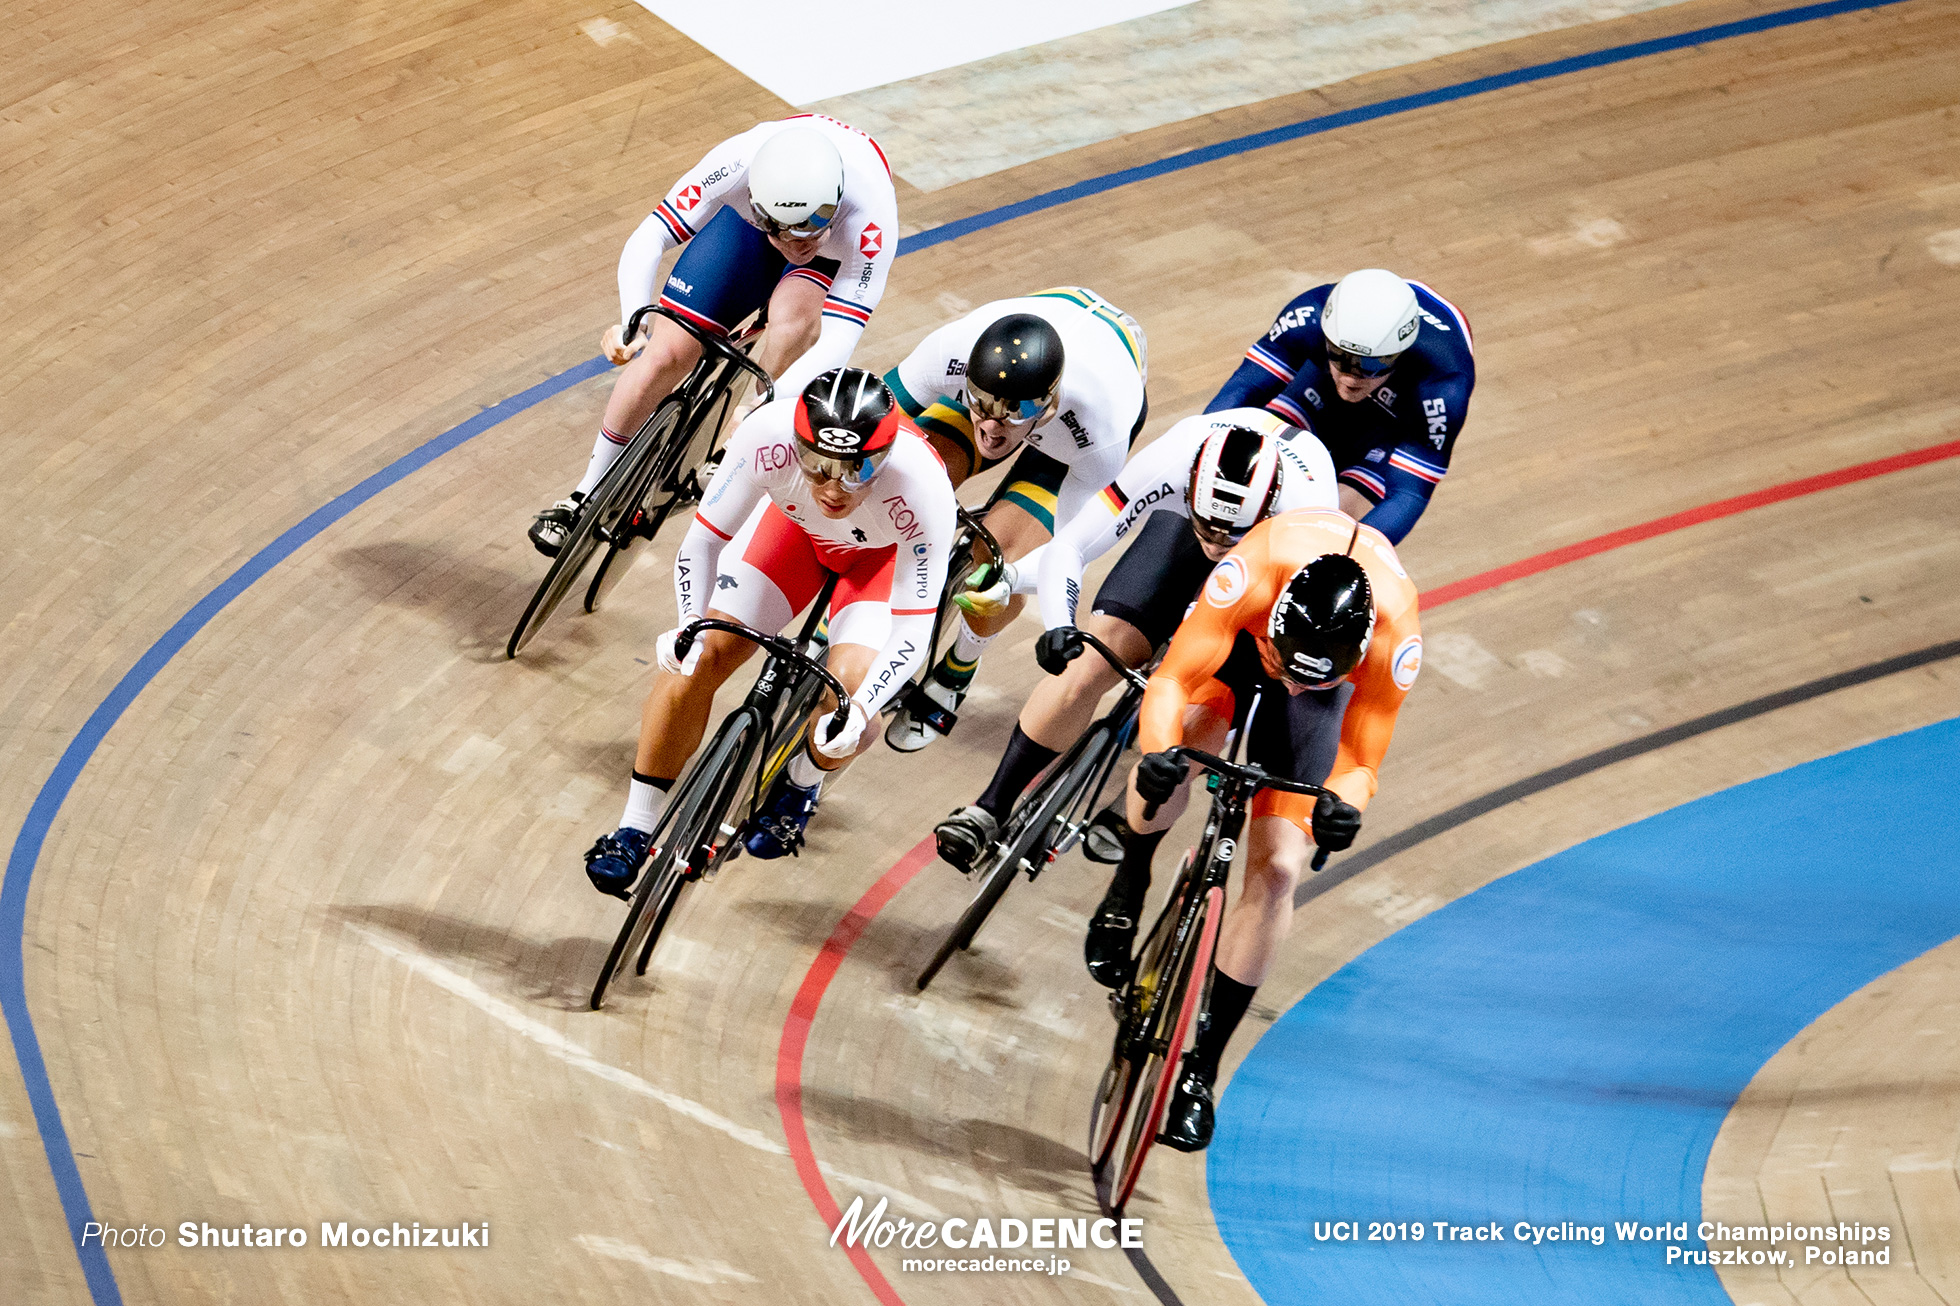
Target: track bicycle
pixel 1052 816
pixel 659 470
pixel 963 567
pixel 725 786
pixel 1171 984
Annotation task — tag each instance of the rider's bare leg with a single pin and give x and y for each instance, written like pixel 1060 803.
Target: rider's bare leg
pixel 795 319
pixel 646 379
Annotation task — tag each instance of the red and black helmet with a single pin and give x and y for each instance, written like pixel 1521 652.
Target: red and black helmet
pixel 846 425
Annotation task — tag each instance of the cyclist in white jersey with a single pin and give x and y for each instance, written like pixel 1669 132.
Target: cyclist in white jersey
pixel 836 483
pixel 1182 501
pixel 1059 375
pixel 798 214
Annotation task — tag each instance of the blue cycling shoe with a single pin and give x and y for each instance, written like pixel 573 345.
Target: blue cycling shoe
pixel 779 829
pixel 614 862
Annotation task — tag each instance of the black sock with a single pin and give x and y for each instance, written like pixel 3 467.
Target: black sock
pixel 1021 763
pixel 664 786
pixel 1132 879
pixel 1229 999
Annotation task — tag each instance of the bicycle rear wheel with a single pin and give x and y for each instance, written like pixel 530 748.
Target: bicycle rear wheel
pixel 1157 1074
pixel 598 517
pixel 698 805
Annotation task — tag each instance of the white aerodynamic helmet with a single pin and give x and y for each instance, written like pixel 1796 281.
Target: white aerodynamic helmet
pixel 1235 480
pixel 796 181
pixel 1370 318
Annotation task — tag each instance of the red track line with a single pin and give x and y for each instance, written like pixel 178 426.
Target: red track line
pixel 1531 566
pixel 796 1034
pixel 803 1009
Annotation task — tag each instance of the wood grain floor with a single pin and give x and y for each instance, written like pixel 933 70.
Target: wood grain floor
pixel 308 940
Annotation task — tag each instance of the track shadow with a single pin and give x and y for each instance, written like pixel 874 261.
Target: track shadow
pixel 553 973
pixel 477 602
pixel 1016 1157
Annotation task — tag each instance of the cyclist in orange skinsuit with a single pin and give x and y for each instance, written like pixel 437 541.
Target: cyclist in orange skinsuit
pixel 1328 649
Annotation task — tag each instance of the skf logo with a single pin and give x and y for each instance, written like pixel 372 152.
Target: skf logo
pixel 1292 317
pixel 688 198
pixel 772 457
pixel 872 241
pixel 1437 411
pixel 1225 584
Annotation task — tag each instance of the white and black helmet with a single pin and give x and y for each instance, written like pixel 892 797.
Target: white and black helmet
pixel 1234 483
pixel 796 181
pixel 1370 318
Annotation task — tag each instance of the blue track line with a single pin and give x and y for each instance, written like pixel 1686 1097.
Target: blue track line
pixel 1386 108
pixel 47 803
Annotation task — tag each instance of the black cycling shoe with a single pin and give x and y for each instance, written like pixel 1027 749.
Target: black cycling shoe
pixel 552 527
pixel 964 835
pixel 1189 1119
pixel 1112 937
pixel 613 863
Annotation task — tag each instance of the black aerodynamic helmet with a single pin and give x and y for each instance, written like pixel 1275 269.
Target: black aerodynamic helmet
pixel 1014 373
pixel 1321 625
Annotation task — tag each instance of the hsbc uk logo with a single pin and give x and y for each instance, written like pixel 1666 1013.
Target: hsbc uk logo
pixel 871 242
pixel 688 198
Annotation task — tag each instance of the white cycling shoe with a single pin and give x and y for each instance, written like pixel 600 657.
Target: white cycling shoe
pixel 916 725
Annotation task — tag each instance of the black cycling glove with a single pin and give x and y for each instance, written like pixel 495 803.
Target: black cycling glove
pixel 1335 823
pixel 1158 776
pixel 1057 648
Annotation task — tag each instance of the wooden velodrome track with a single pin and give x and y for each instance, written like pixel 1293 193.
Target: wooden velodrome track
pixel 308 938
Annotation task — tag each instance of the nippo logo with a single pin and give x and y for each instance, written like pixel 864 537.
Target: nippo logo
pixel 1407 662
pixel 871 242
pixel 1226 583
pixel 688 198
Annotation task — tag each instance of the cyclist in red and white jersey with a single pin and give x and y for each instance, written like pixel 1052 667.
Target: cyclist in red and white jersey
pixel 837 482
pixel 799 214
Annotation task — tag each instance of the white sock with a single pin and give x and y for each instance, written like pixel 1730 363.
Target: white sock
pixel 644 804
pixel 605 452
pixel 967 646
pixel 803 771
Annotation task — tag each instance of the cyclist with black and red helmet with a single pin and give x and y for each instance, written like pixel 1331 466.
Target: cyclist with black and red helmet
pixel 838 482
pixel 1181 502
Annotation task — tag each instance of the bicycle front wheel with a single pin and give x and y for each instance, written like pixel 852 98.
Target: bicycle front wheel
pixel 1157 1075
pixel 697 808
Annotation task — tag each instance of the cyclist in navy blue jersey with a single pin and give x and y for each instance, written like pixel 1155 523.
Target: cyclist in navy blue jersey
pixel 1381 370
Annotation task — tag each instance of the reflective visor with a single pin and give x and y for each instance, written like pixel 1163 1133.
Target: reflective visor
pixel 1359 364
pixel 810 226
pixel 853 473
pixel 986 407
pixel 1223 537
